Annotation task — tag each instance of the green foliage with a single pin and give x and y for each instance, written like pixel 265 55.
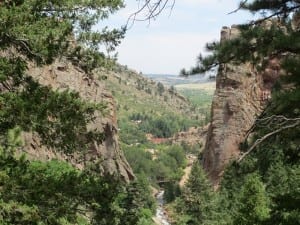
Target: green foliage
pixel 183 72
pixel 201 100
pixel 198 203
pixel 44 28
pixel 131 133
pixel 177 152
pixel 198 197
pixel 191 149
pixel 163 166
pixel 15 213
pixel 48 113
pixel 139 203
pixel 134 128
pixel 162 126
pixel 160 88
pixel 172 190
pixel 54 192
pixel 254 204
pixel 140 161
pixel 275 194
pixel 36 33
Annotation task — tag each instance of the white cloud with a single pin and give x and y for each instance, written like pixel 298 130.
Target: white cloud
pixel 171 43
pixel 162 53
pixel 208 3
pixel 199 2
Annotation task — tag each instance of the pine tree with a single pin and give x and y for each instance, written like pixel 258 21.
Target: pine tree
pixel 37 32
pixel 198 197
pixel 254 204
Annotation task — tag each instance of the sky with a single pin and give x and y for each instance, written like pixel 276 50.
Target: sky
pixel 176 37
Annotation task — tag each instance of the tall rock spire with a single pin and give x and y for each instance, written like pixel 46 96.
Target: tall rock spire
pixel 240 97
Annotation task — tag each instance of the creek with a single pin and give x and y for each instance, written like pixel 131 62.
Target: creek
pixel 161 217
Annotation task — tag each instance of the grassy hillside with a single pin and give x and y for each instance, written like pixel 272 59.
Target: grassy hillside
pixel 200 95
pixel 143 104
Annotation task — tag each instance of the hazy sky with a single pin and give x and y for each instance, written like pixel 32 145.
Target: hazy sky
pixel 174 39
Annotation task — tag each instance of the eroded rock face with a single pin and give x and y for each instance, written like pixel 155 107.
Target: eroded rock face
pixel 107 155
pixel 241 95
pixel 195 136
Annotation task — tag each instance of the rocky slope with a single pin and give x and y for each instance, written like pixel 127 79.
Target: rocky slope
pixel 133 90
pixel 241 95
pixel 195 136
pixel 63 75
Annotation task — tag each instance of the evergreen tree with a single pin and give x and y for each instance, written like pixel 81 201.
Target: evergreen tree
pixel 198 197
pixel 253 206
pixel 160 88
pixel 37 32
pixel 138 203
pixel 54 192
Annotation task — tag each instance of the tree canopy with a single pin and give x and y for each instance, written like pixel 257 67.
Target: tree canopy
pixel 38 32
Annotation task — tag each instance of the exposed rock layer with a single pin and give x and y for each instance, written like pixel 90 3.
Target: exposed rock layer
pixel 241 95
pixel 195 136
pixel 107 155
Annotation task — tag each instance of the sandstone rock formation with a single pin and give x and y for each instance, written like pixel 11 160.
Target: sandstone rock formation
pixel 63 75
pixel 195 136
pixel 241 95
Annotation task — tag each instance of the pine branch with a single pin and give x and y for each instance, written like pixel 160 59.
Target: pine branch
pixel 6 85
pixel 277 13
pixel 283 11
pixel 23 45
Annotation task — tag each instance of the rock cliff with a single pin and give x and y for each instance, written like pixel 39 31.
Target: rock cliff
pixel 241 95
pixel 107 156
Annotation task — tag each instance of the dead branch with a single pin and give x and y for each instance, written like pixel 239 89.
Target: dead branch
pixel 148 10
pixel 239 8
pixel 23 45
pixel 296 122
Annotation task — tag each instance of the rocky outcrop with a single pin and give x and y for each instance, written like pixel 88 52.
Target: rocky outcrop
pixel 107 155
pixel 194 137
pixel 241 95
